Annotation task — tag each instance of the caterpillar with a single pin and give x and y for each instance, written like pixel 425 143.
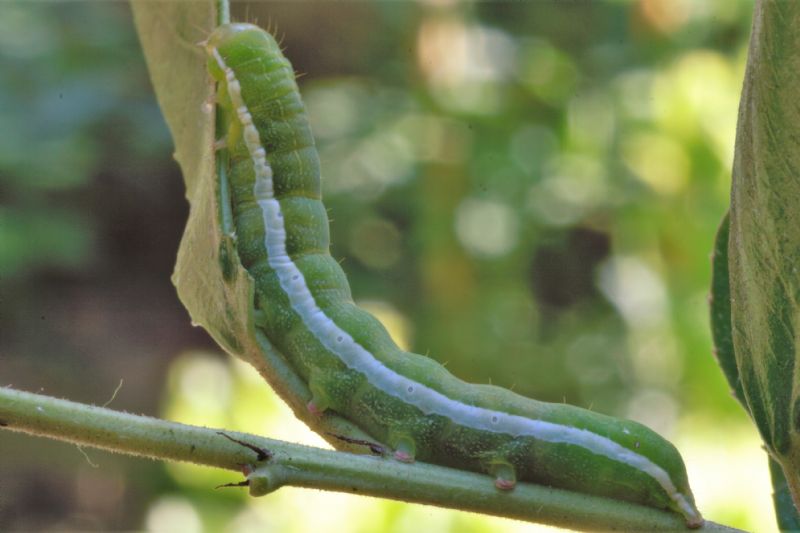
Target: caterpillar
pixel 304 306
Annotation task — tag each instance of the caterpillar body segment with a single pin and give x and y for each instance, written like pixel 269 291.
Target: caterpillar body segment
pixel 349 361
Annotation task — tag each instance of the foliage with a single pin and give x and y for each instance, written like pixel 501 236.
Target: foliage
pixel 764 245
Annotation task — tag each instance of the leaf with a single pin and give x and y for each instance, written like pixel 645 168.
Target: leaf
pixel 169 33
pixel 764 242
pixel 720 303
pixel 788 518
pixel 211 282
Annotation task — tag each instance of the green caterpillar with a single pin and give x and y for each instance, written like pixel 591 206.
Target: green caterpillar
pixel 304 307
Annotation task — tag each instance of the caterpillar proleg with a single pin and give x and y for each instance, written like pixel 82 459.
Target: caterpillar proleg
pixel 304 307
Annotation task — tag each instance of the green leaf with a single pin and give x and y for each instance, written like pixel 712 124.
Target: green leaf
pixel 788 518
pixel 720 303
pixel 764 242
pixel 211 282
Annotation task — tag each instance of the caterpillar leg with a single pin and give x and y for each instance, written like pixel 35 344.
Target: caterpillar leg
pixel 314 408
pixel 322 389
pixel 505 478
pixel 318 403
pixel 404 448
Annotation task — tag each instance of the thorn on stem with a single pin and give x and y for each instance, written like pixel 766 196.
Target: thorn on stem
pixel 245 483
pixel 374 447
pixel 261 453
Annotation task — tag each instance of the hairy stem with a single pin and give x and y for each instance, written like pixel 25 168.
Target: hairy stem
pixel 302 466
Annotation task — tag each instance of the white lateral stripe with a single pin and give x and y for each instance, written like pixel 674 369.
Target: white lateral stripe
pixel 340 343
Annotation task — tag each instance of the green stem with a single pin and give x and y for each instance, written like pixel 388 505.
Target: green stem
pixel 223 12
pixel 302 466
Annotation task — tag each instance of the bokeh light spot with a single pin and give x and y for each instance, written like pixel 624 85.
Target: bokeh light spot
pixel 486 228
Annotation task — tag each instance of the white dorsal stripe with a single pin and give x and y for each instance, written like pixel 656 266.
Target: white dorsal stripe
pixel 356 357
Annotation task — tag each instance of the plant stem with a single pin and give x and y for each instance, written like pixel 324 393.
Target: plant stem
pixel 223 12
pixel 302 466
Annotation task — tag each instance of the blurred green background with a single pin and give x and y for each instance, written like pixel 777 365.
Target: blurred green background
pixel 526 191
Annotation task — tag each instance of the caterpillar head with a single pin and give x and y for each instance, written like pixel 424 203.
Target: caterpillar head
pixel 235 44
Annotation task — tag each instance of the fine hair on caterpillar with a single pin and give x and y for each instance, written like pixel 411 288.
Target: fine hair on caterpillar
pixel 304 306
